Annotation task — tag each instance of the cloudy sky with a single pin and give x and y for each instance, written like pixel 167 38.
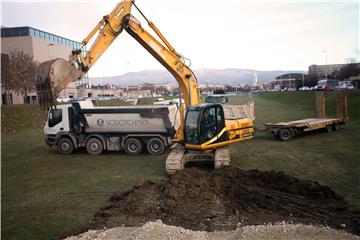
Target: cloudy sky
pixel 263 35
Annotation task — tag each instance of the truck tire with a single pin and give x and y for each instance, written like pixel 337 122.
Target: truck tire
pixel 65 146
pixel 133 146
pixel 94 146
pixel 285 134
pixel 155 146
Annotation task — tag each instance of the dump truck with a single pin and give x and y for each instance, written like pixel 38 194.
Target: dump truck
pixel 97 128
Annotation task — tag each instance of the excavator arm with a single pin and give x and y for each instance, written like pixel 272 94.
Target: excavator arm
pixel 53 76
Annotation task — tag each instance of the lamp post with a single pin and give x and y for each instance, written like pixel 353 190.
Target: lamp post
pixel 303 77
pixel 326 57
pixel 48 47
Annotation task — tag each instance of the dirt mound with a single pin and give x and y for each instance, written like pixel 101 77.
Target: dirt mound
pixel 221 199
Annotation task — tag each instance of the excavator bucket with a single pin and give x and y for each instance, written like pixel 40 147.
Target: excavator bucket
pixel 51 78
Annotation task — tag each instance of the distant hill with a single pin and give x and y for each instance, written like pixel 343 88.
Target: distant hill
pixel 213 76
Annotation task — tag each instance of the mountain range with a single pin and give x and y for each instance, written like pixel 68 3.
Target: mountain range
pixel 212 76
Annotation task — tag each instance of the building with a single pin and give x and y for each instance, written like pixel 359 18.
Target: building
pixel 323 71
pixel 41 45
pixel 289 80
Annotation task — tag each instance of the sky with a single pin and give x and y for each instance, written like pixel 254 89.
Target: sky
pixel 259 35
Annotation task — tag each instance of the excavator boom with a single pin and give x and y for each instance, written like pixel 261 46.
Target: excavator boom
pixel 53 76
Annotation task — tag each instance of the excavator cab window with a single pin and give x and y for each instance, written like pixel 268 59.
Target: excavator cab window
pixel 212 122
pixel 204 124
pixel 191 127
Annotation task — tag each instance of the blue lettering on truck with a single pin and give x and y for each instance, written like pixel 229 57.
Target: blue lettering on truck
pixel 101 122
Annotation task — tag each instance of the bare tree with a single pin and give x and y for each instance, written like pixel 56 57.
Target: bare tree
pixel 5 76
pixel 22 69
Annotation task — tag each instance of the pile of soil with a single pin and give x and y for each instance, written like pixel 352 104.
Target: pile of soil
pixel 221 199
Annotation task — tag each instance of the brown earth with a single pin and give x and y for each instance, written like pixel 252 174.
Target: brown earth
pixel 222 199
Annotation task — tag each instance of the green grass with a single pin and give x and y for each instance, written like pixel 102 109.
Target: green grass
pixel 15 118
pixel 45 194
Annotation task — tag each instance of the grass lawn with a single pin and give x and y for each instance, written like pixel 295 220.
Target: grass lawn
pixel 45 194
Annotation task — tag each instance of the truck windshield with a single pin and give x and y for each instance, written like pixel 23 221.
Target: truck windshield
pixel 191 129
pixel 55 117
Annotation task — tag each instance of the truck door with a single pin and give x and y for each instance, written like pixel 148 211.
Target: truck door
pixel 55 121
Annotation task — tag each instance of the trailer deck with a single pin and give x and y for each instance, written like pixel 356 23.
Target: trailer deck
pixel 287 130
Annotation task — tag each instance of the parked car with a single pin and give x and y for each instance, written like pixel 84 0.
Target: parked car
pixel 220 98
pixel 328 84
pixel 63 99
pixel 316 88
pixel 305 88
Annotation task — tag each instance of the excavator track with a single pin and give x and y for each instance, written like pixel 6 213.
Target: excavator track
pixel 179 157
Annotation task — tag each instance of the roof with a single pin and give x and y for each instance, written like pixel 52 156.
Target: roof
pixel 7 32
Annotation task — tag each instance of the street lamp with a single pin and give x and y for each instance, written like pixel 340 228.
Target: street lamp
pixel 48 46
pixel 303 77
pixel 326 57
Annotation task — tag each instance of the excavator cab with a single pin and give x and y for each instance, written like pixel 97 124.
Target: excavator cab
pixel 204 123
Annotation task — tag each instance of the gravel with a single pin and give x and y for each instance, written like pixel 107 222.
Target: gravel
pixel 158 230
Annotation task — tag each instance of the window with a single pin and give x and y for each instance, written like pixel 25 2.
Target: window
pixel 24 31
pixel 32 32
pixel 55 117
pixel 191 130
pixel 207 127
pixel 42 35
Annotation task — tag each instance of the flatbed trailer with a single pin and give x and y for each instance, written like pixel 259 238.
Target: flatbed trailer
pixel 285 131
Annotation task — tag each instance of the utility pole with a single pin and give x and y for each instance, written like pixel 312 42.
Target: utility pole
pixel 326 57
pixel 303 77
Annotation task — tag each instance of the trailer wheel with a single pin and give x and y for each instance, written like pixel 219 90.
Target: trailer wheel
pixel 65 146
pixel 328 128
pixel 94 146
pixel 335 126
pixel 133 146
pixel 155 146
pixel 285 134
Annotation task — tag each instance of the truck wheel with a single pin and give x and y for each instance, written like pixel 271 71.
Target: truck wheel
pixel 155 146
pixel 94 146
pixel 285 134
pixel 133 146
pixel 65 146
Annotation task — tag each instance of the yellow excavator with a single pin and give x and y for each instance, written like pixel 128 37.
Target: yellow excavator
pixel 204 132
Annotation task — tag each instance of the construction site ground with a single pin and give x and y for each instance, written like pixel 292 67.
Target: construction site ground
pixel 50 196
pixel 220 200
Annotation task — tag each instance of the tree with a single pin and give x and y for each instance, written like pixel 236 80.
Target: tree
pixel 5 76
pixel 21 74
pixel 349 70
